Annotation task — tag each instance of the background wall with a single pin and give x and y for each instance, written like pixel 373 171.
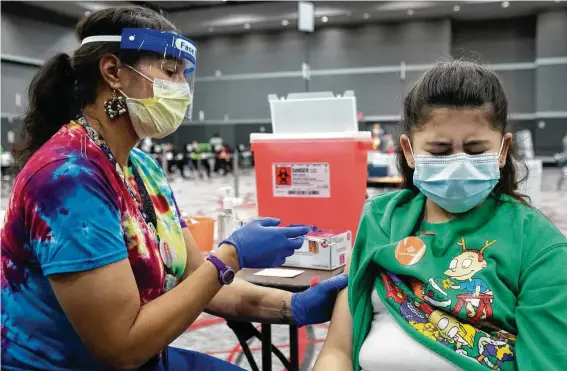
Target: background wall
pixel 236 72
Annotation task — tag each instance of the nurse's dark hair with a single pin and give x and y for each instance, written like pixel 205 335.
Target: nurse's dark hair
pixel 65 83
pixel 461 84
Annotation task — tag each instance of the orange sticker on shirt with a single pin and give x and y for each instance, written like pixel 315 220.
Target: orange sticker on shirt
pixel 410 250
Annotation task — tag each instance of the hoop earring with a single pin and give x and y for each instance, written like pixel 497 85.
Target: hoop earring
pixel 115 106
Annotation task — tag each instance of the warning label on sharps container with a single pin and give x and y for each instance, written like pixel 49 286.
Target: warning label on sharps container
pixel 302 180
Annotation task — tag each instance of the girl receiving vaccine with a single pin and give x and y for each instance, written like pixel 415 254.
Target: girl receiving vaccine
pixel 457 270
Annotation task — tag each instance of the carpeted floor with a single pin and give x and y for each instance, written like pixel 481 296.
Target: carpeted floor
pixel 212 336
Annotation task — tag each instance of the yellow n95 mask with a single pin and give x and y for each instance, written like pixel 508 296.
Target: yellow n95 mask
pixel 161 115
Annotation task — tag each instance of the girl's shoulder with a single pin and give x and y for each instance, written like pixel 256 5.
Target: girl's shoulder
pixel 393 213
pixel 532 220
pixel 400 196
pixel 389 203
pixel 533 230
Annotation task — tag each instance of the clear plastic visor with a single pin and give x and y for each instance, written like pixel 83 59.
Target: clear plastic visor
pixel 165 63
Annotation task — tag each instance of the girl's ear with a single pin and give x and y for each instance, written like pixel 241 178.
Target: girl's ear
pixel 506 143
pixel 406 147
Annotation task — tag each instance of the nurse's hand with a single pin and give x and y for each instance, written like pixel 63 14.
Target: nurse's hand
pixel 315 305
pixel 262 244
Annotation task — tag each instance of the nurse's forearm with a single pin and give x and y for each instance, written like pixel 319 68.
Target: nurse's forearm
pixel 162 320
pixel 242 298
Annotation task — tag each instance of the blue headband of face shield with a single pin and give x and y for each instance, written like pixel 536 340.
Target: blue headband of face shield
pixel 163 43
pixel 167 45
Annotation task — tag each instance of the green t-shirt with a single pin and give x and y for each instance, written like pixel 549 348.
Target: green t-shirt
pixel 195 155
pixel 487 290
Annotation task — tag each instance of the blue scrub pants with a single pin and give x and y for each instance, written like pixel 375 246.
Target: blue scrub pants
pixel 188 360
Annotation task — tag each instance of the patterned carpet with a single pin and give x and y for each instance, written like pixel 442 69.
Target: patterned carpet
pixel 224 344
pixel 211 335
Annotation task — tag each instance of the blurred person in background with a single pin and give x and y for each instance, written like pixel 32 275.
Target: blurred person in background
pixel 216 140
pixel 98 269
pixel 157 153
pixel 200 159
pixel 246 157
pixel 377 133
pixel 171 162
pixel 223 159
pixel 457 270
pixel 187 150
pixel 180 161
pixel 146 145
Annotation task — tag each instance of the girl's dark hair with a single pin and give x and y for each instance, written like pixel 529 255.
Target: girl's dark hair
pixel 460 84
pixel 65 84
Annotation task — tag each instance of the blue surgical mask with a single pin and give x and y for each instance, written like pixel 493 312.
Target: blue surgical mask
pixel 458 182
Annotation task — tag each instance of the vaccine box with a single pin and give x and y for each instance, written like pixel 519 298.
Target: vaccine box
pixel 326 250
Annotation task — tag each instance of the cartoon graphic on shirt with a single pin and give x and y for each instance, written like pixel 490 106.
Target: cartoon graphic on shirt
pixel 412 300
pixel 407 309
pixel 493 351
pixel 477 296
pixel 461 290
pixel 452 330
pixel 427 329
pixel 435 293
pixel 502 350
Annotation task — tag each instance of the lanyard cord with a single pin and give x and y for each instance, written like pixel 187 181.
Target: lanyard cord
pixel 149 211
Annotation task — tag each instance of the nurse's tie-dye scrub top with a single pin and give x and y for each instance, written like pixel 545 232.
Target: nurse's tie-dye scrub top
pixel 69 211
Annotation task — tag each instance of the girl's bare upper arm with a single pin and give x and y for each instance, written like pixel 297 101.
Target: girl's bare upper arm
pixel 337 350
pixel 340 330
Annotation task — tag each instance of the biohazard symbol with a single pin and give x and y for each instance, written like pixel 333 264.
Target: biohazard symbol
pixel 283 176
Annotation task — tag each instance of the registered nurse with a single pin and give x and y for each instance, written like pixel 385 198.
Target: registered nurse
pixel 98 269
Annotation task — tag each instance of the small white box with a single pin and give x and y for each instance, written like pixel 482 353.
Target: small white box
pixel 325 250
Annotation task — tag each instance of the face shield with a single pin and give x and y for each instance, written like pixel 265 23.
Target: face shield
pixel 169 66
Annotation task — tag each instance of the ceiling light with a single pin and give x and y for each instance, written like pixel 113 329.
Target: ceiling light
pixel 505 4
pixel 93 6
pixel 410 11
pixel 456 8
pixel 405 5
pixel 285 22
pixel 247 26
pixel 366 15
pixel 324 19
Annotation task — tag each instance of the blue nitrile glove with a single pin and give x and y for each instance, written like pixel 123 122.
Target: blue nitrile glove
pixel 262 244
pixel 312 228
pixel 315 305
